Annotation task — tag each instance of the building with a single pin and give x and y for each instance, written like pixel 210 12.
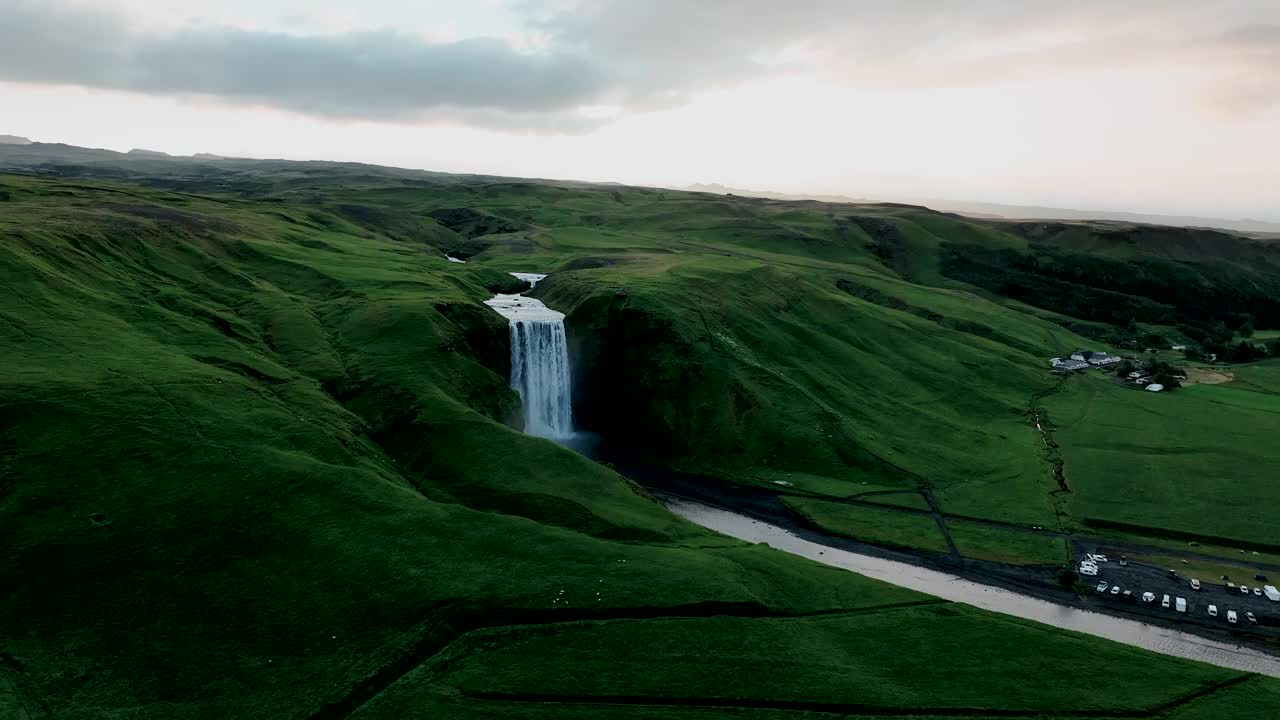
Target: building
pixel 1101 359
pixel 1061 365
pixel 1178 347
pixel 1155 387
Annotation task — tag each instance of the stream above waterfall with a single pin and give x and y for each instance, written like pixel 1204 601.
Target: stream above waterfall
pixel 539 361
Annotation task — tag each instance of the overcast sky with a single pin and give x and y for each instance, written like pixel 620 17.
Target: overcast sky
pixel 1148 105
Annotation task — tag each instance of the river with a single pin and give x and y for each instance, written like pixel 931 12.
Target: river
pixel 939 584
pixel 951 587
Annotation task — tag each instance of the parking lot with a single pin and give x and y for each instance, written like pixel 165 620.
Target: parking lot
pixel 1139 578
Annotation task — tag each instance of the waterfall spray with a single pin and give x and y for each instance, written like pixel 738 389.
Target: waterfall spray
pixel 539 362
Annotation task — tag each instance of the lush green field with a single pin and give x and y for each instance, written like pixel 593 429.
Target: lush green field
pixel 1160 460
pixel 259 458
pixel 833 661
pixel 917 531
pixel 1015 547
pixel 1262 377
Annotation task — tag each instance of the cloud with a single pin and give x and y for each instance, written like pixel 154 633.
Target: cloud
pixel 382 75
pixel 650 55
pixel 667 49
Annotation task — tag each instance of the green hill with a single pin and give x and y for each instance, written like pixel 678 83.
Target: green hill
pixel 257 455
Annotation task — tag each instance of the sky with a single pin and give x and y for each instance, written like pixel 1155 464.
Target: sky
pixel 1168 106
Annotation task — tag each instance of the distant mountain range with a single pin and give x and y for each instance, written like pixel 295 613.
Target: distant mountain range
pixel 1017 212
pixel 13 140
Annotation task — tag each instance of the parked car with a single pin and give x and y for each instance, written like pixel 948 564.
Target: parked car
pixel 1102 587
pixel 1128 594
pixel 1213 611
pixel 1164 602
pixel 1249 616
pixel 1260 578
pixel 1231 616
pixel 1244 590
pixel 1090 570
pixel 1271 592
pixel 1257 591
pixel 1181 605
pixel 1231 587
pixel 1115 589
pixel 1124 561
pixel 1195 584
pixel 1148 597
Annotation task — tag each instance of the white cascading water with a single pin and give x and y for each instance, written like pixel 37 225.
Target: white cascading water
pixel 539 362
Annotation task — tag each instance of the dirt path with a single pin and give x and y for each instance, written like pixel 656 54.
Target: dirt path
pixel 1208 376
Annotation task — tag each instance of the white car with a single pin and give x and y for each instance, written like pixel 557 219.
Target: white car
pixel 1249 616
pixel 1180 605
pixel 1164 602
pixel 1195 584
pixel 1115 589
pixel 1148 597
pixel 1244 590
pixel 1257 591
pixel 1090 570
pixel 1213 611
pixel 1102 587
pixel 1231 616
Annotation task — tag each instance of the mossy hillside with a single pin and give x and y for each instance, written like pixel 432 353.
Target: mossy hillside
pixel 743 370
pixel 183 501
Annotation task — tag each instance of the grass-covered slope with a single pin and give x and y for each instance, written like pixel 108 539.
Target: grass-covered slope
pixel 257 454
pixel 249 462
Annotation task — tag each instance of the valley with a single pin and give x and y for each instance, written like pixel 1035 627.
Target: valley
pixel 261 454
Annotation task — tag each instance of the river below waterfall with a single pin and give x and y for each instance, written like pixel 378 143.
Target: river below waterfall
pixel 540 374
pixel 539 361
pixel 951 587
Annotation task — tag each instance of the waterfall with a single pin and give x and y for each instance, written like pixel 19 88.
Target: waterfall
pixel 539 362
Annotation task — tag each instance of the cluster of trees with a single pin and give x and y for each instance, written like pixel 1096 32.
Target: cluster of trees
pixel 1115 290
pixel 1242 352
pixel 1159 371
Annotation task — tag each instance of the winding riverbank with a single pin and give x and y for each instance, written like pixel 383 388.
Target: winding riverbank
pixel 1159 639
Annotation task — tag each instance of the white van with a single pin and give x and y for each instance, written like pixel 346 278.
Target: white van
pixel 1164 602
pixel 1182 605
pixel 1231 616
pixel 1213 611
pixel 1271 592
